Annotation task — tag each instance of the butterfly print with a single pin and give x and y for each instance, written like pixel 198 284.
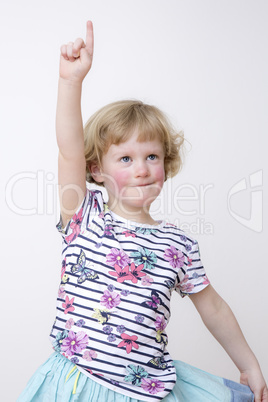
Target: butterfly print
pixel 154 301
pixel 158 363
pixel 160 338
pixel 83 271
pixel 101 315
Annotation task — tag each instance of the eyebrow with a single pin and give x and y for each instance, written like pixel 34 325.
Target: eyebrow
pixel 125 151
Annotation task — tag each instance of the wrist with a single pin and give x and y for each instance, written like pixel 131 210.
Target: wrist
pixel 252 365
pixel 70 83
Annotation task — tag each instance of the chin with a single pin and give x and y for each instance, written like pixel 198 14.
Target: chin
pixel 142 204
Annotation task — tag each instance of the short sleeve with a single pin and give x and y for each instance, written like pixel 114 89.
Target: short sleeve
pixel 192 278
pixel 91 204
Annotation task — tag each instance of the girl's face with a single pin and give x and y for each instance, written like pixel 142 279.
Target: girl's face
pixel 133 174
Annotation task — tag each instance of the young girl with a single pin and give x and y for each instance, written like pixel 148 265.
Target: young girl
pixel 120 266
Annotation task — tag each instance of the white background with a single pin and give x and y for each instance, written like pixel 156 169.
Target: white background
pixel 205 64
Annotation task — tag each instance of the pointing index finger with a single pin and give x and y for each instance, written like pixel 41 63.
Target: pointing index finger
pixel 90 38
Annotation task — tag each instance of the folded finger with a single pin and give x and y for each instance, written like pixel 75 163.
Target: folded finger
pixel 70 51
pixel 63 51
pixel 78 45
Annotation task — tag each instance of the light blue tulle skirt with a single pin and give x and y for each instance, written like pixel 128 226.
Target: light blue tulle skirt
pixel 49 384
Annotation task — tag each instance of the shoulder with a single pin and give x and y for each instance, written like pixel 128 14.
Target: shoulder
pixel 95 199
pixel 184 238
pixel 91 203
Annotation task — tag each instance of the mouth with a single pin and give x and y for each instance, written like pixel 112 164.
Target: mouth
pixel 143 185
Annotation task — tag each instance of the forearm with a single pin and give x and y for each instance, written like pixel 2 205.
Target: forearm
pixel 223 325
pixel 221 322
pixel 69 124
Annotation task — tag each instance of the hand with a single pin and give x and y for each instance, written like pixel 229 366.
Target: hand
pixel 254 379
pixel 76 57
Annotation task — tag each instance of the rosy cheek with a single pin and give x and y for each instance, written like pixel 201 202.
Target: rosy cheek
pixel 121 178
pixel 160 174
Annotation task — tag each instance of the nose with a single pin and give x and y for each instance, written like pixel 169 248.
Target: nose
pixel 141 169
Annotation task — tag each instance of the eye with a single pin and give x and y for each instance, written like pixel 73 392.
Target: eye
pixel 125 159
pixel 152 157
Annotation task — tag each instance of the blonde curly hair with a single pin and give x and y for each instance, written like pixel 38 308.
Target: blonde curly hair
pixel 115 123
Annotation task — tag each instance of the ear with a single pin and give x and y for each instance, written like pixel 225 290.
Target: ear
pixel 96 173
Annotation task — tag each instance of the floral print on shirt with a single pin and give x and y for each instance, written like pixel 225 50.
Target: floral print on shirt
pixel 144 256
pixel 130 289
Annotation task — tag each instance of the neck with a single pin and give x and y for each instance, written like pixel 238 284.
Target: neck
pixel 140 215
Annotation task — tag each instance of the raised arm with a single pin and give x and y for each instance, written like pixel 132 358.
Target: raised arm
pixel 221 322
pixel 75 63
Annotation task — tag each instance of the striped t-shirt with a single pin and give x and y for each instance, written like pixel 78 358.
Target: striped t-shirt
pixel 113 301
